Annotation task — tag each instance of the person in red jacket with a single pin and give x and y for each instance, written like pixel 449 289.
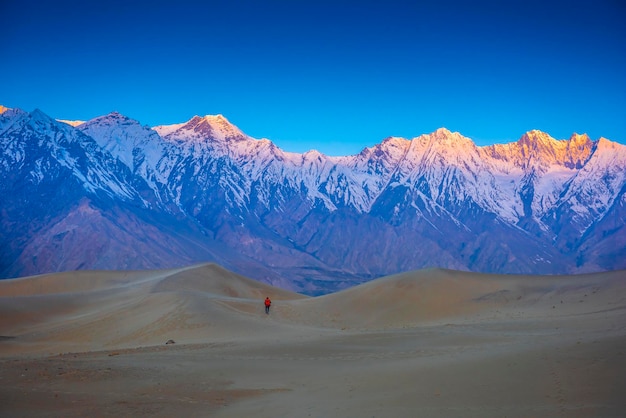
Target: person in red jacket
pixel 268 303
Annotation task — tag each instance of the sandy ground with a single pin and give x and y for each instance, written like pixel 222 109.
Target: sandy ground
pixel 432 343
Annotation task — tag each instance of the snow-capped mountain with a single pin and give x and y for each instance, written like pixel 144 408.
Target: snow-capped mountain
pixel 36 148
pixel 315 223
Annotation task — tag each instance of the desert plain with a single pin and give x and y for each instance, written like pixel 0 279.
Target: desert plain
pixel 196 342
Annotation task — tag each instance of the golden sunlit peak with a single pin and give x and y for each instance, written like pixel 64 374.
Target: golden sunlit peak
pixel 579 138
pixel 215 118
pixel 536 135
pixel 73 123
pixel 446 133
pixel 4 109
pixel 443 134
pixel 210 119
pixel 443 131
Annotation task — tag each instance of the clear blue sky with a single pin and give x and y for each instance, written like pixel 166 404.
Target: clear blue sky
pixel 331 75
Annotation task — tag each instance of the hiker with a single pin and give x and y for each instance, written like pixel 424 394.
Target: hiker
pixel 268 303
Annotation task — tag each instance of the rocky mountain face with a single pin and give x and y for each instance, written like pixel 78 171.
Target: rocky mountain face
pixel 112 194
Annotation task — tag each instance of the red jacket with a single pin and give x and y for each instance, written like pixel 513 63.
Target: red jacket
pixel 268 302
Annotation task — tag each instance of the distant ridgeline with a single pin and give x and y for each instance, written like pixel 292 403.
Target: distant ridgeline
pixel 110 193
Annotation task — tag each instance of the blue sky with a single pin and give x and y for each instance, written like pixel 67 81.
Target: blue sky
pixel 335 76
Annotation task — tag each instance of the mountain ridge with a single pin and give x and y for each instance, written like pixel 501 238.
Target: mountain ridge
pixel 314 223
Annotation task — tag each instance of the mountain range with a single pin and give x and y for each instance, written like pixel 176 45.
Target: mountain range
pixel 110 193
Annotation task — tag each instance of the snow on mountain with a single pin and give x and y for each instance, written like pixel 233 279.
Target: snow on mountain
pixel 164 130
pixel 7 118
pixel 443 172
pixel 124 137
pixel 537 205
pixel 447 167
pixel 597 186
pixel 73 123
pixel 139 147
pixel 252 161
pixel 537 167
pixel 217 128
pixel 39 146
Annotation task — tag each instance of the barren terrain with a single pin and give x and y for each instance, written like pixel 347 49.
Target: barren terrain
pixel 431 343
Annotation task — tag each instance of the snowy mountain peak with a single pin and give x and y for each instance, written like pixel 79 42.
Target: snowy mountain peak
pixel 535 139
pixel 3 109
pixel 118 116
pixel 39 120
pixel 113 118
pixel 578 150
pixel 392 146
pixel 443 133
pixel 164 130
pixel 582 139
pixel 110 123
pixel 540 147
pixel 214 127
pixel 219 118
pixel 606 144
pixel 441 144
pixel 73 123
pixel 443 136
pixel 8 116
pixel 38 114
pixel 312 154
pixel 395 141
pixel 213 121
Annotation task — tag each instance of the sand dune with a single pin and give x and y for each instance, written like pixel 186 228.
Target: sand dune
pixel 432 296
pixel 434 343
pixel 84 311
